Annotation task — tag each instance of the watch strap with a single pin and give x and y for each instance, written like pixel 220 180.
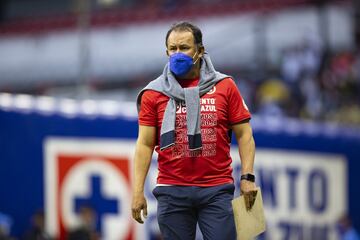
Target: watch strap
pixel 248 177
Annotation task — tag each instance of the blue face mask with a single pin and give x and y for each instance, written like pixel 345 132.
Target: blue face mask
pixel 180 63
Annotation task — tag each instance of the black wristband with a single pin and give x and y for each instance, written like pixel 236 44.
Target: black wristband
pixel 248 177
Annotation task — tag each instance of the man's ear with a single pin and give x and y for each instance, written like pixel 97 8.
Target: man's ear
pixel 201 51
pixel 167 52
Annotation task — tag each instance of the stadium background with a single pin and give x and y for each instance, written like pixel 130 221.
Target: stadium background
pixel 70 71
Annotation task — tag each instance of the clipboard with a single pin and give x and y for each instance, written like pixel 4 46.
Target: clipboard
pixel 250 223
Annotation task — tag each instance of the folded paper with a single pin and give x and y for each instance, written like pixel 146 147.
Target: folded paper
pixel 249 222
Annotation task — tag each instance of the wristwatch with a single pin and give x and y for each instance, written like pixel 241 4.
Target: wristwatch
pixel 248 176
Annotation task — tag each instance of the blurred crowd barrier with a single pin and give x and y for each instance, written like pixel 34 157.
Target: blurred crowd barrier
pixel 322 86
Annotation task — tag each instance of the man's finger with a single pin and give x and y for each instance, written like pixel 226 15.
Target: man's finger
pixel 250 198
pixel 133 212
pixel 136 215
pixel 145 211
pixel 138 219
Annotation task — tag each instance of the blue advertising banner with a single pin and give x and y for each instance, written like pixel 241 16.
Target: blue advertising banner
pixel 56 160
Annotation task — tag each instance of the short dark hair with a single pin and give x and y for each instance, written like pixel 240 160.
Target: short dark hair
pixel 186 26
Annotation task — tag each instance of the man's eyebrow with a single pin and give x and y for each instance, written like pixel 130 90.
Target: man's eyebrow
pixel 180 45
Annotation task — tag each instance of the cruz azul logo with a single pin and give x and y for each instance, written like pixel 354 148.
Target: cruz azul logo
pixel 212 91
pixel 90 173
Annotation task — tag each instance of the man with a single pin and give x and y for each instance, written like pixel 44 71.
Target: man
pixel 87 228
pixel 37 230
pixel 187 115
pixel 346 229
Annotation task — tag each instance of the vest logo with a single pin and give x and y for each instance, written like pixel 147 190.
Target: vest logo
pixel 92 173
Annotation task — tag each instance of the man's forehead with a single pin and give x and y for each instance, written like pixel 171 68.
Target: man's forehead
pixel 178 37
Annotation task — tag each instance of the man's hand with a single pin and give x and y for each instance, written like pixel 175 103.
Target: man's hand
pixel 248 189
pixel 139 205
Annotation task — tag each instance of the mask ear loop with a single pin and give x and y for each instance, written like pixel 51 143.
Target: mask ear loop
pixel 196 59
